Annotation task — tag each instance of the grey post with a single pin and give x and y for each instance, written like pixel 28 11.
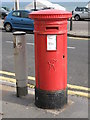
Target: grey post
pixel 35 5
pixel 71 22
pixel 19 44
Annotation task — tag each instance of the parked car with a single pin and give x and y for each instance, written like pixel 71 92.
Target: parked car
pixel 81 13
pixel 7 9
pixel 3 13
pixel 18 19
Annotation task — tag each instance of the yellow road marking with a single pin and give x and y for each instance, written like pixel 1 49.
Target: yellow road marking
pixel 77 38
pixel 8 79
pixel 78 87
pixel 33 78
pixel 13 74
pixel 13 81
pixel 30 86
pixel 82 94
pixel 7 73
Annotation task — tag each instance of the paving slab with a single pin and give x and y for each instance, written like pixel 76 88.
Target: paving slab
pixel 24 107
pixel 79 29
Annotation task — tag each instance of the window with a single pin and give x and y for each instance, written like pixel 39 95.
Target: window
pixel 24 14
pixel 16 14
pixel 85 10
pixel 81 9
pixel 77 9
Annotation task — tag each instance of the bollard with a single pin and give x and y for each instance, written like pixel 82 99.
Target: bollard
pixel 19 44
pixel 71 24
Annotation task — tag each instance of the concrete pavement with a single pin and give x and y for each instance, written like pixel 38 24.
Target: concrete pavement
pixel 24 107
pixel 79 29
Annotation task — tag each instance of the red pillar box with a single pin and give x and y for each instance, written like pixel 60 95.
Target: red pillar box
pixel 50 28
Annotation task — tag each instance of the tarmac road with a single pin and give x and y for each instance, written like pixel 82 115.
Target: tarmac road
pixel 77 58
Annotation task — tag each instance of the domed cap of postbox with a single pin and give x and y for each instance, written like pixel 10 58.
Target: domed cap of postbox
pixel 50 14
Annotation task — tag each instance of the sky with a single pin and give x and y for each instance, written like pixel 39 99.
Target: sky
pixel 48 0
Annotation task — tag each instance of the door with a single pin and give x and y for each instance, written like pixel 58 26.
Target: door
pixel 16 19
pixel 26 22
pixel 84 13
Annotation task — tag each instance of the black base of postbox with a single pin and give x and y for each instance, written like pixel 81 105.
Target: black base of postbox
pixel 50 99
pixel 22 91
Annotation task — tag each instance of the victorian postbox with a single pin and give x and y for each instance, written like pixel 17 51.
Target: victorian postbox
pixel 50 33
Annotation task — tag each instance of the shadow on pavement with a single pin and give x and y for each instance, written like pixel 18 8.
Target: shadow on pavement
pixel 10 97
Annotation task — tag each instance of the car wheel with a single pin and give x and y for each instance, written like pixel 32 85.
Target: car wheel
pixel 77 17
pixel 8 27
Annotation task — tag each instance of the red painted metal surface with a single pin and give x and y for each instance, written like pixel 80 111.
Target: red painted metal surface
pixel 50 66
